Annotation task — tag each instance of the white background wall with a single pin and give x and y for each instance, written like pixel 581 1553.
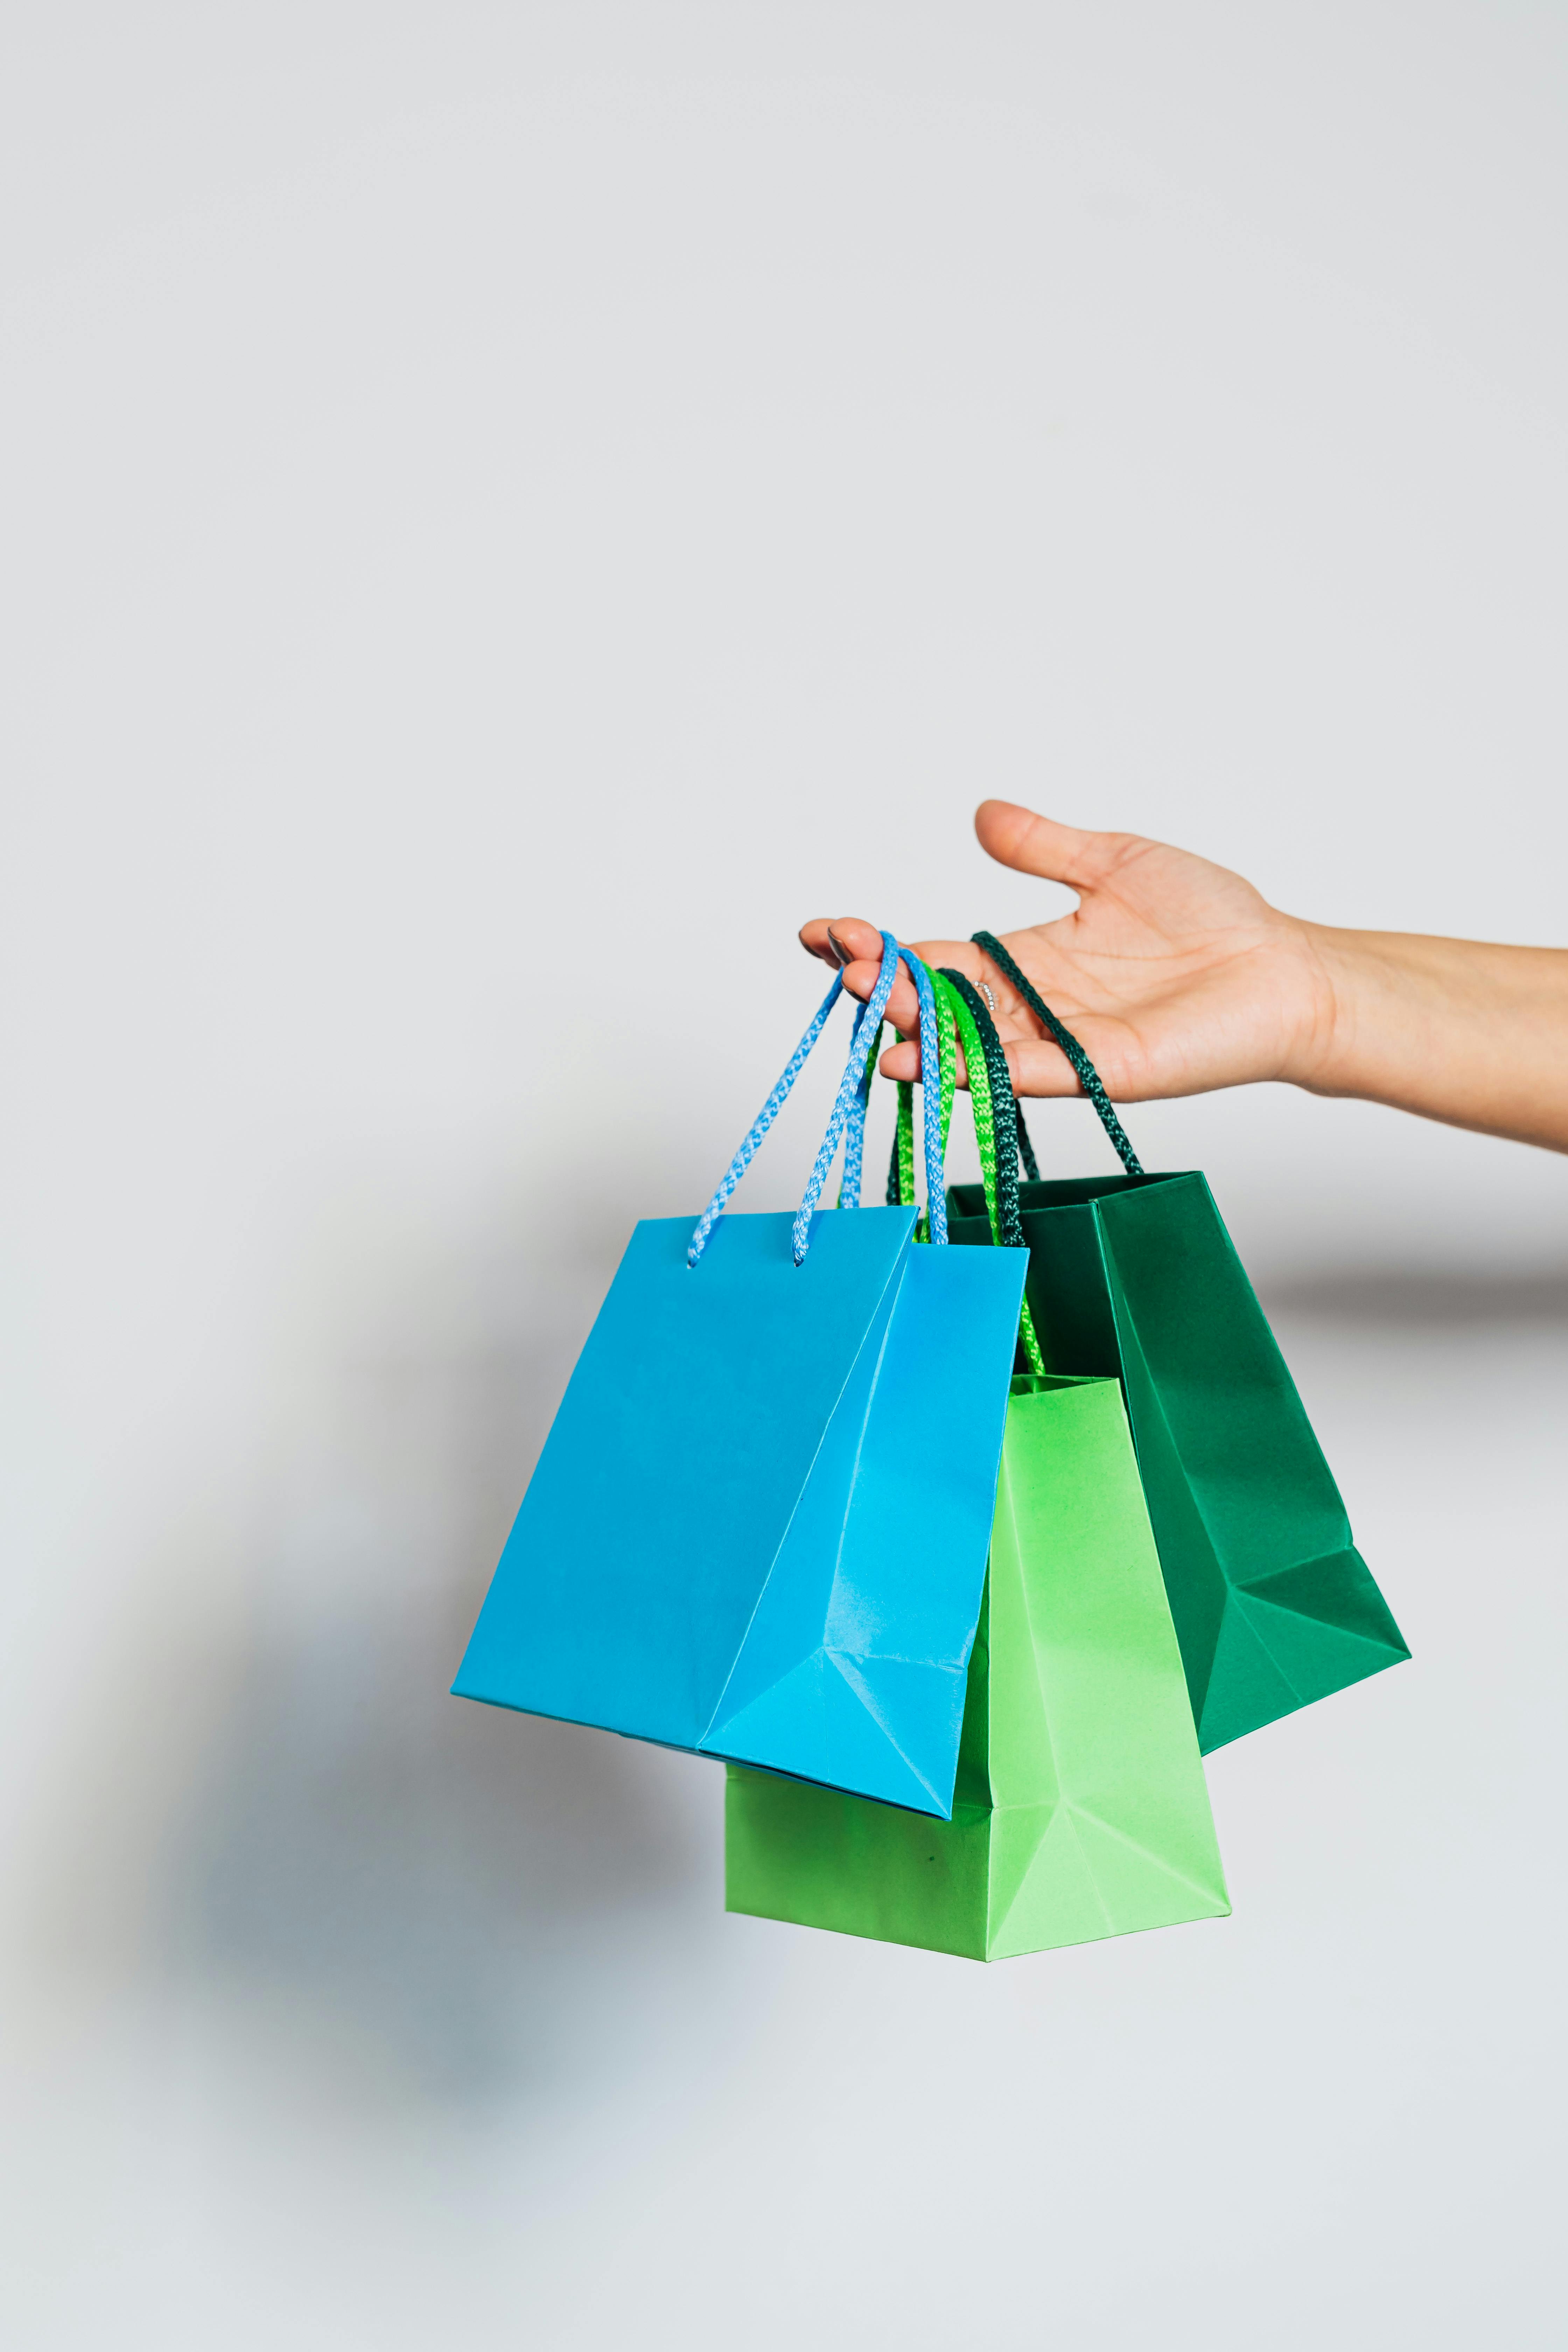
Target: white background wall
pixel 508 511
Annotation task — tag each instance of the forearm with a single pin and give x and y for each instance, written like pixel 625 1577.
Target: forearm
pixel 1452 1029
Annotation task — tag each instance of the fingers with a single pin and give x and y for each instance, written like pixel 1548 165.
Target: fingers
pixel 904 1061
pixel 846 944
pixel 863 941
pixel 1039 1069
pixel 1037 845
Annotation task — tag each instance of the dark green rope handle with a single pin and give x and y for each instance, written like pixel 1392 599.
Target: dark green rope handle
pixel 994 1136
pixel 1003 1112
pixel 1088 1076
pixel 901 1164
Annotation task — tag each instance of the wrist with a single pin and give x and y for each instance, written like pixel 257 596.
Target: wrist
pixel 1332 977
pixel 1394 1029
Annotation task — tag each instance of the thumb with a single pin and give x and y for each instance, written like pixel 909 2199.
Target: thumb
pixel 1036 845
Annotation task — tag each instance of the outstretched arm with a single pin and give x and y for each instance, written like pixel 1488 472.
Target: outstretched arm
pixel 1177 976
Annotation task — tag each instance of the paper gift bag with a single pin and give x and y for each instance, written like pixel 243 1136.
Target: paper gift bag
pixel 738 1537
pixel 1081 1809
pixel 1135 1276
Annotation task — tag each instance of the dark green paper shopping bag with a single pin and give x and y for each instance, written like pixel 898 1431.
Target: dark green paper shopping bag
pixel 1081 1809
pixel 1134 1277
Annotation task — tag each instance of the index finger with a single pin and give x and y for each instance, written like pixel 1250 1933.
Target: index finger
pixel 855 947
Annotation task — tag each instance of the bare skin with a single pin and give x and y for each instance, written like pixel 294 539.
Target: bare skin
pixel 1177 977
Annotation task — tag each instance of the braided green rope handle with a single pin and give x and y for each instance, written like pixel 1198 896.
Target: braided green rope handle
pixel 901 1167
pixel 983 1104
pixel 954 1018
pixel 1004 1107
pixel 901 1164
pixel 1006 1232
pixel 901 1172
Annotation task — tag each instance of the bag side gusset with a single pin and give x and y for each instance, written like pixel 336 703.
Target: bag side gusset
pixel 1101 1823
pixel 1274 1605
pixel 861 1666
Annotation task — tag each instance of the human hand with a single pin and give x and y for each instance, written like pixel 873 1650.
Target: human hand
pixel 1175 975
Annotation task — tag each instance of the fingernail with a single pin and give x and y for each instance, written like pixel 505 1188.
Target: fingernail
pixel 839 949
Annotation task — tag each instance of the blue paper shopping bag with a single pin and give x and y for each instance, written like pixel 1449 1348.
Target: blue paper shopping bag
pixel 750 1533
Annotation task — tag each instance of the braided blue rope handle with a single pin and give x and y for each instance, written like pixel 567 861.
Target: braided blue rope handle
pixel 854 1126
pixel 854 1130
pixel 760 1124
pixel 849 1087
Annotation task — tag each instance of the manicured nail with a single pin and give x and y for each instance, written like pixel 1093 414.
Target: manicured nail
pixel 839 949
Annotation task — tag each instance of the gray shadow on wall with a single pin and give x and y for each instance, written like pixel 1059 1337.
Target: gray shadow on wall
pixel 459 1901
pixel 430 1900
pixel 452 1902
pixel 1402 1299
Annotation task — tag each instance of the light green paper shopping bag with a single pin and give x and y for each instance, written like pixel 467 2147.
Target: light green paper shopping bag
pixel 1081 1809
